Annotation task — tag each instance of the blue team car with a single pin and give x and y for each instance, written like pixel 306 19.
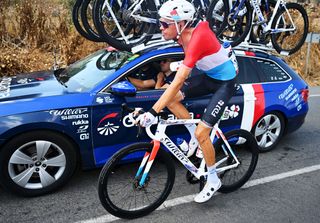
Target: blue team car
pixel 53 121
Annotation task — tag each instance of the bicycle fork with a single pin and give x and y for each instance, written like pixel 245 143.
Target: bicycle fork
pixel 147 161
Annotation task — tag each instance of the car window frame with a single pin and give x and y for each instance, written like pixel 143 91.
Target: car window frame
pixel 139 65
pixel 260 75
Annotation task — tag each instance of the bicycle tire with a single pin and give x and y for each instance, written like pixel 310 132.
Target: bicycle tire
pixel 75 19
pixel 295 44
pixel 143 35
pixel 256 30
pixel 233 31
pixel 214 12
pixel 85 21
pixel 163 163
pixel 247 153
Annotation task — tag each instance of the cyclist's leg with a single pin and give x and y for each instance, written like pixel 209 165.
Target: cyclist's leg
pixel 223 91
pixel 191 88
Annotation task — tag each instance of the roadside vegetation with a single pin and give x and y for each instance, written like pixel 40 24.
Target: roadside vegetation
pixel 35 33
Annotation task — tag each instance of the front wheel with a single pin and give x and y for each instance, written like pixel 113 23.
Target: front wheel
pixel 291 28
pixel 119 190
pixel 119 28
pixel 37 163
pixel 245 148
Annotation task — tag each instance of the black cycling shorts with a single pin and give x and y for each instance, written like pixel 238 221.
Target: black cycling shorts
pixel 202 84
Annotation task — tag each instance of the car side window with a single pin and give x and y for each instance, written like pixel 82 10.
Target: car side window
pixel 248 72
pixel 271 72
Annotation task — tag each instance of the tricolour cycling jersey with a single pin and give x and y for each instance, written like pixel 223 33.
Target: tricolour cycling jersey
pixel 206 53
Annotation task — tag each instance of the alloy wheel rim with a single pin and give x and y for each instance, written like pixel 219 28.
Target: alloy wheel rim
pixel 268 130
pixel 37 164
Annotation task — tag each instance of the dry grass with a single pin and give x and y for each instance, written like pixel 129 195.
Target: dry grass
pixel 31 31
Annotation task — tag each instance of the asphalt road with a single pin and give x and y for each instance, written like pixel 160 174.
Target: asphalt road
pixel 284 188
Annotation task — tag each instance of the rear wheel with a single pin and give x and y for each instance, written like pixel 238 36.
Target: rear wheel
pixel 119 190
pixel 289 42
pixel 268 131
pixel 246 151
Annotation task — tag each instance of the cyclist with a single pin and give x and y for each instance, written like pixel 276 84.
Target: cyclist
pixel 202 49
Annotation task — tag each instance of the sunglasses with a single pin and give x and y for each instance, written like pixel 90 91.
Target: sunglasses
pixel 165 25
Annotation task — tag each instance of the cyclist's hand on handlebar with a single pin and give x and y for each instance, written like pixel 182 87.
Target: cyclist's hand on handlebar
pixel 146 119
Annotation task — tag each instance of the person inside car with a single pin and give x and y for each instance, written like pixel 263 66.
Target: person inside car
pixel 145 78
pixel 165 76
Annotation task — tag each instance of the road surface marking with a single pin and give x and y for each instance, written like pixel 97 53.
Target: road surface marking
pixel 189 198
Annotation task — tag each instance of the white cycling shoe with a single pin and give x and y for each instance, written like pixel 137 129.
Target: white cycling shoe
pixel 207 192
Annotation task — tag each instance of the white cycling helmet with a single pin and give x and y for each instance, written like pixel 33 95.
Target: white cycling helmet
pixel 177 10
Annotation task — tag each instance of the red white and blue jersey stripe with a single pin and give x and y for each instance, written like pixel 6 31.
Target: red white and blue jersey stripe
pixel 206 53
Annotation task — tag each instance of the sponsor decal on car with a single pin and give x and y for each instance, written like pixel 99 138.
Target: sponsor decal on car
pixel 231 112
pixel 80 122
pixel 291 94
pixel 82 128
pixel 106 127
pixel 128 123
pixel 99 100
pixel 70 114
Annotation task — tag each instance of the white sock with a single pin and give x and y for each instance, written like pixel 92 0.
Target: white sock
pixel 212 175
pixel 192 128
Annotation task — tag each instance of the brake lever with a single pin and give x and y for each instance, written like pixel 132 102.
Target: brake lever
pixel 139 131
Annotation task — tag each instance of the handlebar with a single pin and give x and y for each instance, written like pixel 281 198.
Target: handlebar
pixel 133 112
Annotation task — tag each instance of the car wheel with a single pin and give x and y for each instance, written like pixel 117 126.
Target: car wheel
pixel 268 131
pixel 37 163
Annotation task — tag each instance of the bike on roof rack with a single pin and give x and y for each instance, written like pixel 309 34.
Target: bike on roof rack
pixel 285 24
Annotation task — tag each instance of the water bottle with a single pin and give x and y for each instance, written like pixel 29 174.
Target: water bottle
pixel 231 55
pixel 183 145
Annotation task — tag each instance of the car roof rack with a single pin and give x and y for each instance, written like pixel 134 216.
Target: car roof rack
pixel 258 47
pixel 156 41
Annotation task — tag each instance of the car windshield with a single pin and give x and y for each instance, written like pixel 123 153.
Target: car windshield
pixel 88 72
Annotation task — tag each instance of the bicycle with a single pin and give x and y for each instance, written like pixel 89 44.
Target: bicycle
pixel 129 182
pixel 287 25
pixel 125 24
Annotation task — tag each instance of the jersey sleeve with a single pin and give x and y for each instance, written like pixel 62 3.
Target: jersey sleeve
pixel 203 43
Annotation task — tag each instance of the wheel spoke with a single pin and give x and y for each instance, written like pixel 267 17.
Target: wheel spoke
pixel 45 178
pixel 19 157
pixel 267 120
pixel 23 178
pixel 273 137
pixel 263 141
pixel 59 161
pixel 42 148
pixel 276 124
pixel 259 131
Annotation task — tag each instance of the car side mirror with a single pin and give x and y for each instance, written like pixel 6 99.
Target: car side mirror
pixel 123 88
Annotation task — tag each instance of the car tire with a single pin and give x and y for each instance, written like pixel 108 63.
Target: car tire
pixel 269 130
pixel 37 163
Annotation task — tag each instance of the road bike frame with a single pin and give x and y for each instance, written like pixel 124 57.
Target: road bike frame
pixel 261 20
pixel 161 137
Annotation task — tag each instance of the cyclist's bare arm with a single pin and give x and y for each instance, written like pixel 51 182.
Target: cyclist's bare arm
pixel 173 88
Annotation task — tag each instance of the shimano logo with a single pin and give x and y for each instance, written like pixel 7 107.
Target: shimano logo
pixel 174 150
pixel 217 109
